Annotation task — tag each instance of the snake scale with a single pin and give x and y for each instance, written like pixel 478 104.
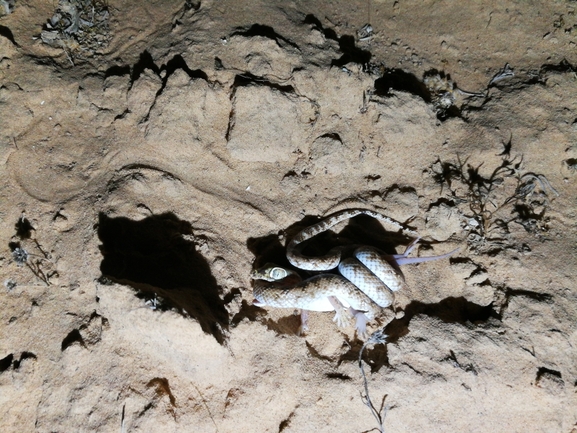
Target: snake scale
pixel 366 285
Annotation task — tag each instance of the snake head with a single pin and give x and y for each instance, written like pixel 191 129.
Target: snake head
pixel 269 272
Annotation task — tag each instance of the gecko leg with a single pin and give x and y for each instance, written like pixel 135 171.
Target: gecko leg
pixel 342 314
pixel 304 322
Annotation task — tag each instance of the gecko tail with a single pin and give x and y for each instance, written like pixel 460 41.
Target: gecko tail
pixel 403 260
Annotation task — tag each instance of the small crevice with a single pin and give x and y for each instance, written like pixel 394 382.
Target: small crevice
pixel 292 174
pixel 6 362
pixel 399 80
pixel 117 71
pixel 192 5
pixel 7 33
pixel 564 66
pixel 442 201
pixel 477 271
pixel 333 136
pixel 285 422
pixel 162 388
pixel 351 53
pixel 338 376
pixel 452 359
pixel 230 126
pixel 73 337
pixel 144 62
pixel 571 163
pixel 544 373
pixel 122 115
pixel 401 189
pixel 146 408
pixel 23 356
pixel 266 32
pixel 347 45
pixel 315 22
pixel 247 79
pixel 177 62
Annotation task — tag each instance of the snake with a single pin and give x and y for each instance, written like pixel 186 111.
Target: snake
pixel 365 286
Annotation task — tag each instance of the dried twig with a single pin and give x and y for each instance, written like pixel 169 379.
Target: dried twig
pixel 377 337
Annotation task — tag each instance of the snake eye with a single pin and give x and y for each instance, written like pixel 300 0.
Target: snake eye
pixel 277 273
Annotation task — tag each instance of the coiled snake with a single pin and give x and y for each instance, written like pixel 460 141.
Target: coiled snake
pixel 366 285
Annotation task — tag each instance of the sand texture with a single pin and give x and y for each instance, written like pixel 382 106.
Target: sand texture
pixel 153 153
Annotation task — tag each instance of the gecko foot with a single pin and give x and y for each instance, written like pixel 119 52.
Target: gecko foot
pixel 342 317
pixel 361 321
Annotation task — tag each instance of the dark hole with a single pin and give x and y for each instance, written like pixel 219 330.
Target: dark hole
pixel 153 256
pixel 6 362
pixel 73 337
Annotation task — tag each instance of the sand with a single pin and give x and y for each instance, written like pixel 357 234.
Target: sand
pixel 153 153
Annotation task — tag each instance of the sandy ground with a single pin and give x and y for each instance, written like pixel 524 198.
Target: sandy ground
pixel 153 153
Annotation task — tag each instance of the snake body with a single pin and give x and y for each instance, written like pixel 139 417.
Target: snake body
pixel 366 285
pixel 323 292
pixel 333 257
